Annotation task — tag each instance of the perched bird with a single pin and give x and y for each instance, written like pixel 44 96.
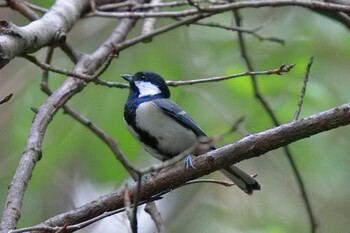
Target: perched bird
pixel 163 128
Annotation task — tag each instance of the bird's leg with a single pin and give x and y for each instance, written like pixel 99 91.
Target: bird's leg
pixel 188 162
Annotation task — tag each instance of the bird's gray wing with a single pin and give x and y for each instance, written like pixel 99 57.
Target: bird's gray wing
pixel 247 183
pixel 179 115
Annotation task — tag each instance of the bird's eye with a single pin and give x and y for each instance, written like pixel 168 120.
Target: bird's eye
pixel 143 77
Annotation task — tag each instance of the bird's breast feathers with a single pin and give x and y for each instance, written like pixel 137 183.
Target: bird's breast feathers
pixel 172 138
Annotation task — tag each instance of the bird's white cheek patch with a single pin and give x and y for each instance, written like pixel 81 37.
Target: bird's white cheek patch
pixel 147 89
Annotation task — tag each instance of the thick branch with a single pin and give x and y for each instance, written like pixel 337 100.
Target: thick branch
pixel 251 146
pixel 48 30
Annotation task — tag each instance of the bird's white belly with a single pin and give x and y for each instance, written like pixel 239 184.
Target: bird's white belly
pixel 172 137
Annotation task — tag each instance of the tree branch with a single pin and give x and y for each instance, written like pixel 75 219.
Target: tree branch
pixel 250 146
pixel 272 115
pixel 311 4
pixel 48 30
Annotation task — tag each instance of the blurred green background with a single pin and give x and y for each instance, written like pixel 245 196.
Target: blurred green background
pixel 76 167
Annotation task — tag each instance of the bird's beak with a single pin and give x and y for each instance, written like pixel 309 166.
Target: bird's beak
pixel 127 77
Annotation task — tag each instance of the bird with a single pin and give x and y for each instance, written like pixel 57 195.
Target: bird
pixel 164 129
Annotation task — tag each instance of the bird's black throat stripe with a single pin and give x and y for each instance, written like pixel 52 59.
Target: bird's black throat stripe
pixel 143 136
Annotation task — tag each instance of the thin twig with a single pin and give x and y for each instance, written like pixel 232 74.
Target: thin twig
pixel 108 140
pixel 273 117
pixel 152 210
pixel 235 126
pixel 245 30
pixel 172 83
pixel 213 181
pixel 94 78
pixel 303 89
pixel 278 71
pixel 65 72
pixel 44 86
pixel 128 210
pixel 133 220
pixel 145 6
pixel 111 84
pixel 311 4
pixel 105 65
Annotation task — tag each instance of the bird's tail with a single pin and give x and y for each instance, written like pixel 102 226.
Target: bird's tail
pixel 244 181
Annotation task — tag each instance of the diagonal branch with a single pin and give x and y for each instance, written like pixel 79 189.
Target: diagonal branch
pixel 250 146
pixel 86 65
pixel 276 122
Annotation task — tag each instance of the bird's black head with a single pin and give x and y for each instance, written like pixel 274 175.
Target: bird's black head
pixel 147 84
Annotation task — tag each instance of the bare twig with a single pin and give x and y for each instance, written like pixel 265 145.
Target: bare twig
pixel 279 71
pixel 151 209
pixel 137 194
pixel 106 64
pixel 232 129
pixel 108 140
pixel 111 84
pixel 128 210
pixel 303 90
pixel 273 117
pixel 44 86
pixel 245 30
pixel 145 6
pixel 64 72
pixel 48 67
pixel 213 181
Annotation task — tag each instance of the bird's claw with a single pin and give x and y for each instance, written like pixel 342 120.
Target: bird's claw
pixel 188 163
